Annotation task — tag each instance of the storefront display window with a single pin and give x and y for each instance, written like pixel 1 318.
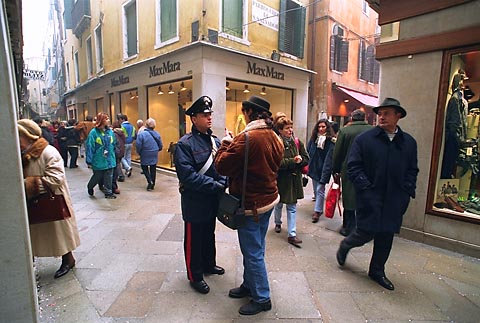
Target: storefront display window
pixel 456 190
pixel 129 107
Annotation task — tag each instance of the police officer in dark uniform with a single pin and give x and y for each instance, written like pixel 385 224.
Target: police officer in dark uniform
pixel 200 185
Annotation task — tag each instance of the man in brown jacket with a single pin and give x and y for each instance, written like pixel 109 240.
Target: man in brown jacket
pixel 264 157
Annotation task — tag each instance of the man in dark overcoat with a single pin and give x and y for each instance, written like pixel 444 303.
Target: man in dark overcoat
pixel 383 168
pixel 200 185
pixel 345 138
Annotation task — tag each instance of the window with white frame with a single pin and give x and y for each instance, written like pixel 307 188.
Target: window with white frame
pixel 233 17
pixel 167 22
pixel 338 50
pixel 291 34
pixel 77 68
pixel 130 36
pixel 89 56
pixel 99 47
pixel 365 7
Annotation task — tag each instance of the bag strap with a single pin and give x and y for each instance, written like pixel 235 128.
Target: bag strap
pixel 209 161
pixel 47 188
pixel 158 145
pixel 245 165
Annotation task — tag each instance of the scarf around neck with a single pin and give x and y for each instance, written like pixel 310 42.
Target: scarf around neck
pixel 33 151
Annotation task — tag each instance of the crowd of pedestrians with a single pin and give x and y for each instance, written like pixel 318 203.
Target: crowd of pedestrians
pixel 377 166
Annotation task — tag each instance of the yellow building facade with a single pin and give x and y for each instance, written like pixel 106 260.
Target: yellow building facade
pixel 152 59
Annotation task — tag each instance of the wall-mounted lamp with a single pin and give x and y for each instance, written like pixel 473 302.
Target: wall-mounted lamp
pixel 275 56
pixel 263 91
pixel 346 100
pixel 170 89
pixel 160 92
pixel 246 89
pixel 182 87
pixel 227 86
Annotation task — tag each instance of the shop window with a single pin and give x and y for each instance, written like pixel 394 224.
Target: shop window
pixel 167 26
pixel 291 28
pixel 99 47
pixel 130 39
pixel 338 50
pixel 233 18
pixel 89 57
pixel 456 190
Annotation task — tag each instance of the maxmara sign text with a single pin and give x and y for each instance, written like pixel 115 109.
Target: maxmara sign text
pixel 266 71
pixel 166 67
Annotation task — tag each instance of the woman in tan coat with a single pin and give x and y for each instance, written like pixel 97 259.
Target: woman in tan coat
pixel 43 164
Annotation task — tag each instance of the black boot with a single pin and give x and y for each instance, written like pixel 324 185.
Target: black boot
pixel 68 262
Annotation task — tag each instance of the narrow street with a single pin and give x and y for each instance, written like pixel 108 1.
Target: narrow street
pixel 130 268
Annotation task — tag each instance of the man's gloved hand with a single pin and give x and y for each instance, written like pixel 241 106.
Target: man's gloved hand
pixel 219 187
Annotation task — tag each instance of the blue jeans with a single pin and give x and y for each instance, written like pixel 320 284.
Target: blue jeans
pixel 127 158
pixel 320 196
pixel 252 244
pixel 102 176
pixel 291 217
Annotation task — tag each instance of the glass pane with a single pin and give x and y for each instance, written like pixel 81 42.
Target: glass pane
pixel 458 185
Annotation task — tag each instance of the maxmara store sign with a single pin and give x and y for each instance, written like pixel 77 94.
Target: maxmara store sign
pixel 265 71
pixel 166 67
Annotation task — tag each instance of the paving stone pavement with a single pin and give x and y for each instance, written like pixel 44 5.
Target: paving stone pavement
pixel 130 268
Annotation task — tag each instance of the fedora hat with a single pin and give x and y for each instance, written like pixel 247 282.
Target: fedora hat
pixel 202 105
pixel 392 103
pixel 257 103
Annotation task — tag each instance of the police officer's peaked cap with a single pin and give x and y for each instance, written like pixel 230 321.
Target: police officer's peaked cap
pixel 202 105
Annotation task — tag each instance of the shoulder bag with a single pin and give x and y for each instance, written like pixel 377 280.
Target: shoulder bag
pixel 231 210
pixel 47 207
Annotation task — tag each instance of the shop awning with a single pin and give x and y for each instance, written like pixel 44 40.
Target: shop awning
pixel 363 98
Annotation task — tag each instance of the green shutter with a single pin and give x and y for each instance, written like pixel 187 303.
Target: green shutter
pixel 168 19
pixel 131 13
pixel 282 18
pixel 232 15
pixel 299 33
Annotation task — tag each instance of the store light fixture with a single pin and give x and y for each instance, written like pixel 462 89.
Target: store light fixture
pixel 160 92
pixel 182 87
pixel 133 95
pixel 246 89
pixel 263 91
pixel 346 100
pixel 170 89
pixel 227 86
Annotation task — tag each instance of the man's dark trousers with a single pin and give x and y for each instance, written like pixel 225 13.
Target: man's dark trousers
pixel 382 244
pixel 199 248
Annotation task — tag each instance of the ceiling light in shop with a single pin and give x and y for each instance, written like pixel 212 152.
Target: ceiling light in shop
pixel 246 89
pixel 170 89
pixel 227 86
pixel 160 90
pixel 182 87
pixel 263 91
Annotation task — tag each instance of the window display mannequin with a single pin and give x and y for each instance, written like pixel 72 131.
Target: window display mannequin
pixel 455 126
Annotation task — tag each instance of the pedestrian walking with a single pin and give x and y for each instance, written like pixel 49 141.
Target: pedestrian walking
pixel 200 185
pixel 289 179
pixel 100 155
pixel 130 134
pixel 43 166
pixel 320 149
pixel 345 138
pixel 148 144
pixel 261 195
pixel 383 168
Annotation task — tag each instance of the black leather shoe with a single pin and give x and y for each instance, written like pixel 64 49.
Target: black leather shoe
pixel 63 270
pixel 216 270
pixel 200 287
pixel 341 256
pixel 344 232
pixel 252 307
pixel 383 281
pixel 239 292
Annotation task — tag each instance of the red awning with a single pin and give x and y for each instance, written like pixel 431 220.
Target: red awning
pixel 363 98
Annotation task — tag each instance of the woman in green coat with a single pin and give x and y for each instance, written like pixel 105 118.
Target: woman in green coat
pixel 289 178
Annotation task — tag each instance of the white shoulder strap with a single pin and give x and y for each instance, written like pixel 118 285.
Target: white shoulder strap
pixel 209 161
